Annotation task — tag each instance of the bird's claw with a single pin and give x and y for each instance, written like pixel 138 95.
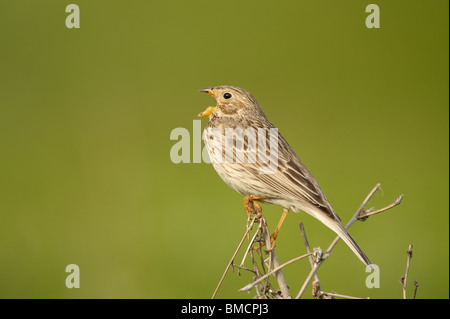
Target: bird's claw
pixel 251 206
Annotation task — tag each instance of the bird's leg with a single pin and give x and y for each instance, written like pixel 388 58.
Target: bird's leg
pixel 251 206
pixel 275 233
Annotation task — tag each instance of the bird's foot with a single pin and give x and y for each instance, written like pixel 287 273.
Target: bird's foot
pixel 251 206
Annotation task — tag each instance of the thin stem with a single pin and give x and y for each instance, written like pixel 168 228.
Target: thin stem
pixel 339 295
pixel 249 247
pixel 232 258
pixel 405 277
pixel 335 241
pixel 244 268
pixel 397 202
pixel 308 250
pixel 416 285
pixel 274 261
pixel 251 285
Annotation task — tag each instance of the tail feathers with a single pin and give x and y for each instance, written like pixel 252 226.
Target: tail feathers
pixel 348 239
pixel 339 229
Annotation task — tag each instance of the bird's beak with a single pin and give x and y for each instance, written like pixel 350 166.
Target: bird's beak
pixel 207 112
pixel 208 91
pixel 210 109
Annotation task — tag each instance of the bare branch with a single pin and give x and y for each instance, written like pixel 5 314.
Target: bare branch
pixel 276 269
pixel 333 294
pixel 244 268
pixel 250 245
pixel 263 267
pixel 404 278
pixel 316 291
pixel 265 234
pixel 316 286
pixel 416 285
pixel 333 244
pixel 367 214
pixel 232 258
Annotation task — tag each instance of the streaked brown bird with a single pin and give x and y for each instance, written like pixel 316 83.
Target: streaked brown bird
pixel 253 158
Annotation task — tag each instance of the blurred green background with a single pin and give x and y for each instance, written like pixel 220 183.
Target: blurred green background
pixel 86 115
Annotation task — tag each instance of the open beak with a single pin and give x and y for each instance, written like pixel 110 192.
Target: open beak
pixel 207 112
pixel 210 109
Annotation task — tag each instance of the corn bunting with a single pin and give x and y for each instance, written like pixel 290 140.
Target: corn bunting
pixel 253 158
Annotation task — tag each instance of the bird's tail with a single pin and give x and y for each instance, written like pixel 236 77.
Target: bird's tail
pixel 348 239
pixel 336 226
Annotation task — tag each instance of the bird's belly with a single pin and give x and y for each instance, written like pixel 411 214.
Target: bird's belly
pixel 246 184
pixel 280 202
pixel 240 180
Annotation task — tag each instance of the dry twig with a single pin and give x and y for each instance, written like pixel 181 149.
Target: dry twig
pixel 416 285
pixel 232 258
pixel 404 278
pixel 274 261
pixel 327 295
pixel 358 215
pixel 251 285
pixel 263 268
pixel 316 283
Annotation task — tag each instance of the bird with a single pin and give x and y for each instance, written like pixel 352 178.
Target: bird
pixel 288 183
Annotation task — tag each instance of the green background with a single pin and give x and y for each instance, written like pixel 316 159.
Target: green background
pixel 86 115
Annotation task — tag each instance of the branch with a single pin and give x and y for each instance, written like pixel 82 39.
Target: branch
pixel 355 217
pixel 404 278
pixel 250 245
pixel 316 283
pixel 333 294
pixel 264 233
pixel 251 285
pixel 271 266
pixel 416 285
pixel 274 261
pixel 366 214
pixel 232 258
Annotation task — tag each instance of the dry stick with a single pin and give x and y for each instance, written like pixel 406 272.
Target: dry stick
pixel 244 268
pixel 317 265
pixel 405 276
pixel 333 244
pixel 397 202
pixel 261 259
pixel 308 250
pixel 308 279
pixel 256 269
pixel 251 285
pixel 249 247
pixel 416 285
pixel 339 295
pixel 255 265
pixel 232 258
pixel 274 260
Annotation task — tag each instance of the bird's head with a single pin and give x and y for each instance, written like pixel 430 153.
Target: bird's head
pixel 231 100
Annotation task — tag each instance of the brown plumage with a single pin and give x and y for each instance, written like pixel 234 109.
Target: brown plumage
pixel 272 173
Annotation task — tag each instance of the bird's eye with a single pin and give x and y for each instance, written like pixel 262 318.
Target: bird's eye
pixel 227 96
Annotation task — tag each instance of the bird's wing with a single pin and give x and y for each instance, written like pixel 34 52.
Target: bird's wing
pixel 291 179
